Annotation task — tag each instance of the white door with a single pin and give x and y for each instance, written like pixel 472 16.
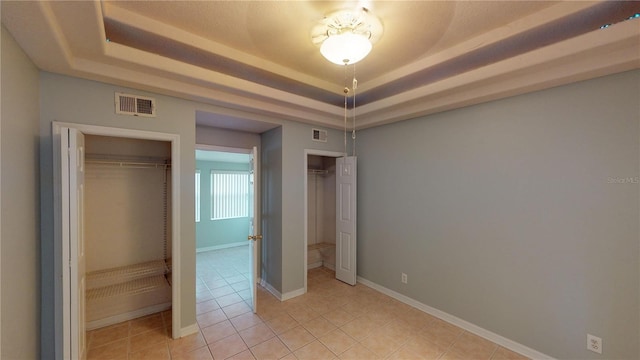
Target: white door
pixel 72 181
pixel 254 235
pixel 346 219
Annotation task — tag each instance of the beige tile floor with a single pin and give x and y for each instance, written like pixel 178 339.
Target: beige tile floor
pixel 332 321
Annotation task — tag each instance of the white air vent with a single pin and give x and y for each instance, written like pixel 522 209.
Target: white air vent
pixel 319 135
pixel 136 105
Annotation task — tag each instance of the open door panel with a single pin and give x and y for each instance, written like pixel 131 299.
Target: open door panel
pixel 72 152
pixel 346 240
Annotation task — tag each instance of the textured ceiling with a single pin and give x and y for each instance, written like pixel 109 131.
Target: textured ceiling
pixel 255 60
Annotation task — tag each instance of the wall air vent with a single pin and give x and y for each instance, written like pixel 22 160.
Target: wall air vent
pixel 127 104
pixel 319 135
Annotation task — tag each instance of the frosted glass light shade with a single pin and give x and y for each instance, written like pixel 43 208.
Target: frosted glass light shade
pixel 345 48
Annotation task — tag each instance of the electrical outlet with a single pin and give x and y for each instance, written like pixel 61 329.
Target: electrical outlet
pixel 594 343
pixel 404 278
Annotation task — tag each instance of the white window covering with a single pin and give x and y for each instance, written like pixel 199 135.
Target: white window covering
pixel 229 194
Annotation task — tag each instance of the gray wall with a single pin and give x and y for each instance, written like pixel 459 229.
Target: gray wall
pixel 75 100
pixel 217 232
pixel 271 217
pixel 19 204
pixel 296 137
pixel 283 199
pixel 520 215
pixel 207 135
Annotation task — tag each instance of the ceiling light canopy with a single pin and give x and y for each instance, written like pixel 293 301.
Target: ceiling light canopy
pixel 347 36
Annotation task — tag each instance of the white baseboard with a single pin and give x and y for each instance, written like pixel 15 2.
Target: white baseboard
pixel 498 339
pixel 278 295
pixel 188 330
pixel 292 294
pixel 271 289
pixel 220 247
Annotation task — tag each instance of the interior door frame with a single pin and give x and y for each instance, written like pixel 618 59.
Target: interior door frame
pixel 61 252
pixel 307 152
pixel 255 234
pixel 257 205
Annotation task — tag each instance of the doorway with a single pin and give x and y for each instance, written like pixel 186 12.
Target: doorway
pixel 321 183
pixel 321 212
pixel 70 225
pixel 225 218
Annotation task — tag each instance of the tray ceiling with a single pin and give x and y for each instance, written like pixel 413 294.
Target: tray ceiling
pixel 255 59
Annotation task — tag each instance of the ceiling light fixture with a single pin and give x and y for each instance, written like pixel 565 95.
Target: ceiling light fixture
pixel 346 48
pixel 347 36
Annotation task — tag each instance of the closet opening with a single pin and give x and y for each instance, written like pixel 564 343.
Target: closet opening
pixel 127 229
pixel 100 273
pixel 320 249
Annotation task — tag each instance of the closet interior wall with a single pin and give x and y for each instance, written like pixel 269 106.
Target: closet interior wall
pixel 127 229
pixel 321 221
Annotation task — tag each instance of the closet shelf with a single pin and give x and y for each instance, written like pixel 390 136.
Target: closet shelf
pixel 320 246
pixel 108 277
pixel 132 287
pixel 120 302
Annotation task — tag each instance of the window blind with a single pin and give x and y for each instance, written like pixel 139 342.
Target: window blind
pixel 229 194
